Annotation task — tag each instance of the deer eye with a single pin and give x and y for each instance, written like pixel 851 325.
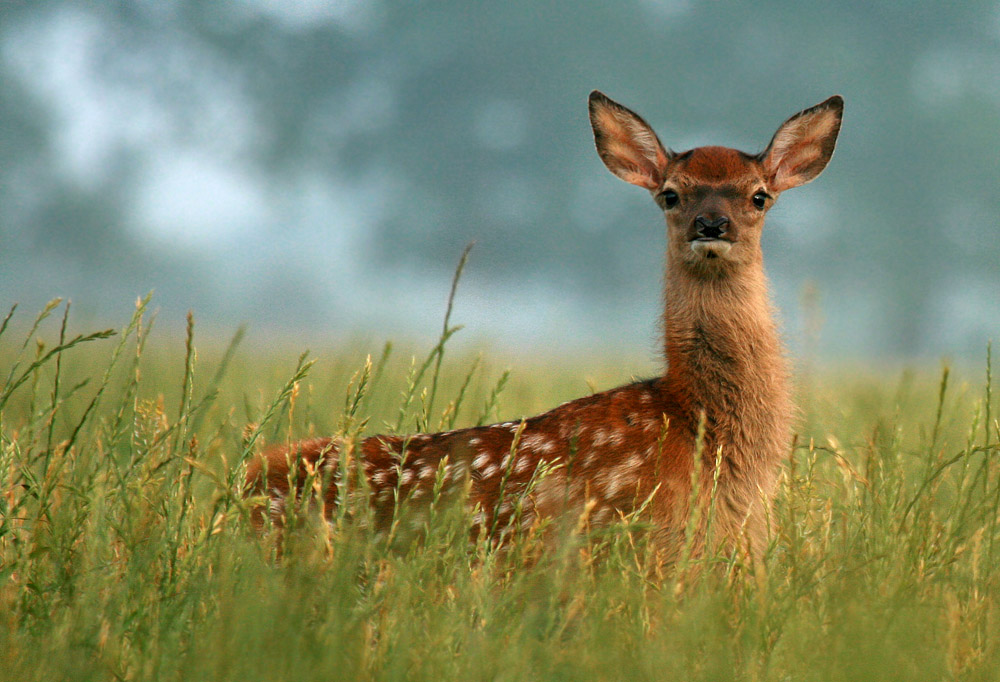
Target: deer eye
pixel 760 199
pixel 669 198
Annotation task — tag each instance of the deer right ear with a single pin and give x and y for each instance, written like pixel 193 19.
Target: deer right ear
pixel 627 145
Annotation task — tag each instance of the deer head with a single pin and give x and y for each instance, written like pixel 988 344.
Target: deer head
pixel 715 198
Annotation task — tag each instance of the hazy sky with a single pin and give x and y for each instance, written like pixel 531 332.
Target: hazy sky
pixel 318 167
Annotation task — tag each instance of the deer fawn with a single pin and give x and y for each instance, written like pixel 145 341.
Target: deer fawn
pixel 725 393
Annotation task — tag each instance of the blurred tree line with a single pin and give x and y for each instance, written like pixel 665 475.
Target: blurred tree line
pixel 304 161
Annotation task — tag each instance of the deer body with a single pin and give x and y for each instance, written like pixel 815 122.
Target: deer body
pixel 725 394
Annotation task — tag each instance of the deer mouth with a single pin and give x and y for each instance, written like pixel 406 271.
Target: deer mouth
pixel 708 247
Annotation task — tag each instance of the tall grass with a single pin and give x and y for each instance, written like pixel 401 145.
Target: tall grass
pixel 126 550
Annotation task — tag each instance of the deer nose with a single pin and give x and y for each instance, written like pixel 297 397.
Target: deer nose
pixel 711 228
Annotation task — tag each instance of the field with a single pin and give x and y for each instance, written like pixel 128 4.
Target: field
pixel 126 551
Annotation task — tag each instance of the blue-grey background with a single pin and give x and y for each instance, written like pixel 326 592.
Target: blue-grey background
pixel 315 168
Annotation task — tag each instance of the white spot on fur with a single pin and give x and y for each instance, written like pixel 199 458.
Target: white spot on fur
pixel 407 477
pixel 379 478
pixel 551 491
pixel 523 464
pixel 600 438
pixel 481 460
pixel 602 515
pixel 329 466
pixel 615 482
pixel 428 471
pixel 538 443
pixel 491 471
pixel 527 520
pixel 548 493
pixel 475 441
pixel 276 508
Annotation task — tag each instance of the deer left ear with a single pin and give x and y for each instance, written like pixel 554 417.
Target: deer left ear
pixel 803 145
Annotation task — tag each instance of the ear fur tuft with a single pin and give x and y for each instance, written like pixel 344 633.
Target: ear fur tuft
pixel 626 143
pixel 803 145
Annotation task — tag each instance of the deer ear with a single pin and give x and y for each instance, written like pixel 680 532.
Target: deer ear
pixel 626 143
pixel 803 145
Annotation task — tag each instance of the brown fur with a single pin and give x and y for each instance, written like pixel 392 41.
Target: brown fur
pixel 611 452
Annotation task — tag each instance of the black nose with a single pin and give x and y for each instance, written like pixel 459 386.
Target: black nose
pixel 711 228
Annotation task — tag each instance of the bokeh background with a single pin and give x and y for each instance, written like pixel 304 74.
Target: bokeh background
pixel 314 169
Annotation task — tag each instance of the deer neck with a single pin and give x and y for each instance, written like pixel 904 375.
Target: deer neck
pixel 725 361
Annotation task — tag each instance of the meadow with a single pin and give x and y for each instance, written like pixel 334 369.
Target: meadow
pixel 127 553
